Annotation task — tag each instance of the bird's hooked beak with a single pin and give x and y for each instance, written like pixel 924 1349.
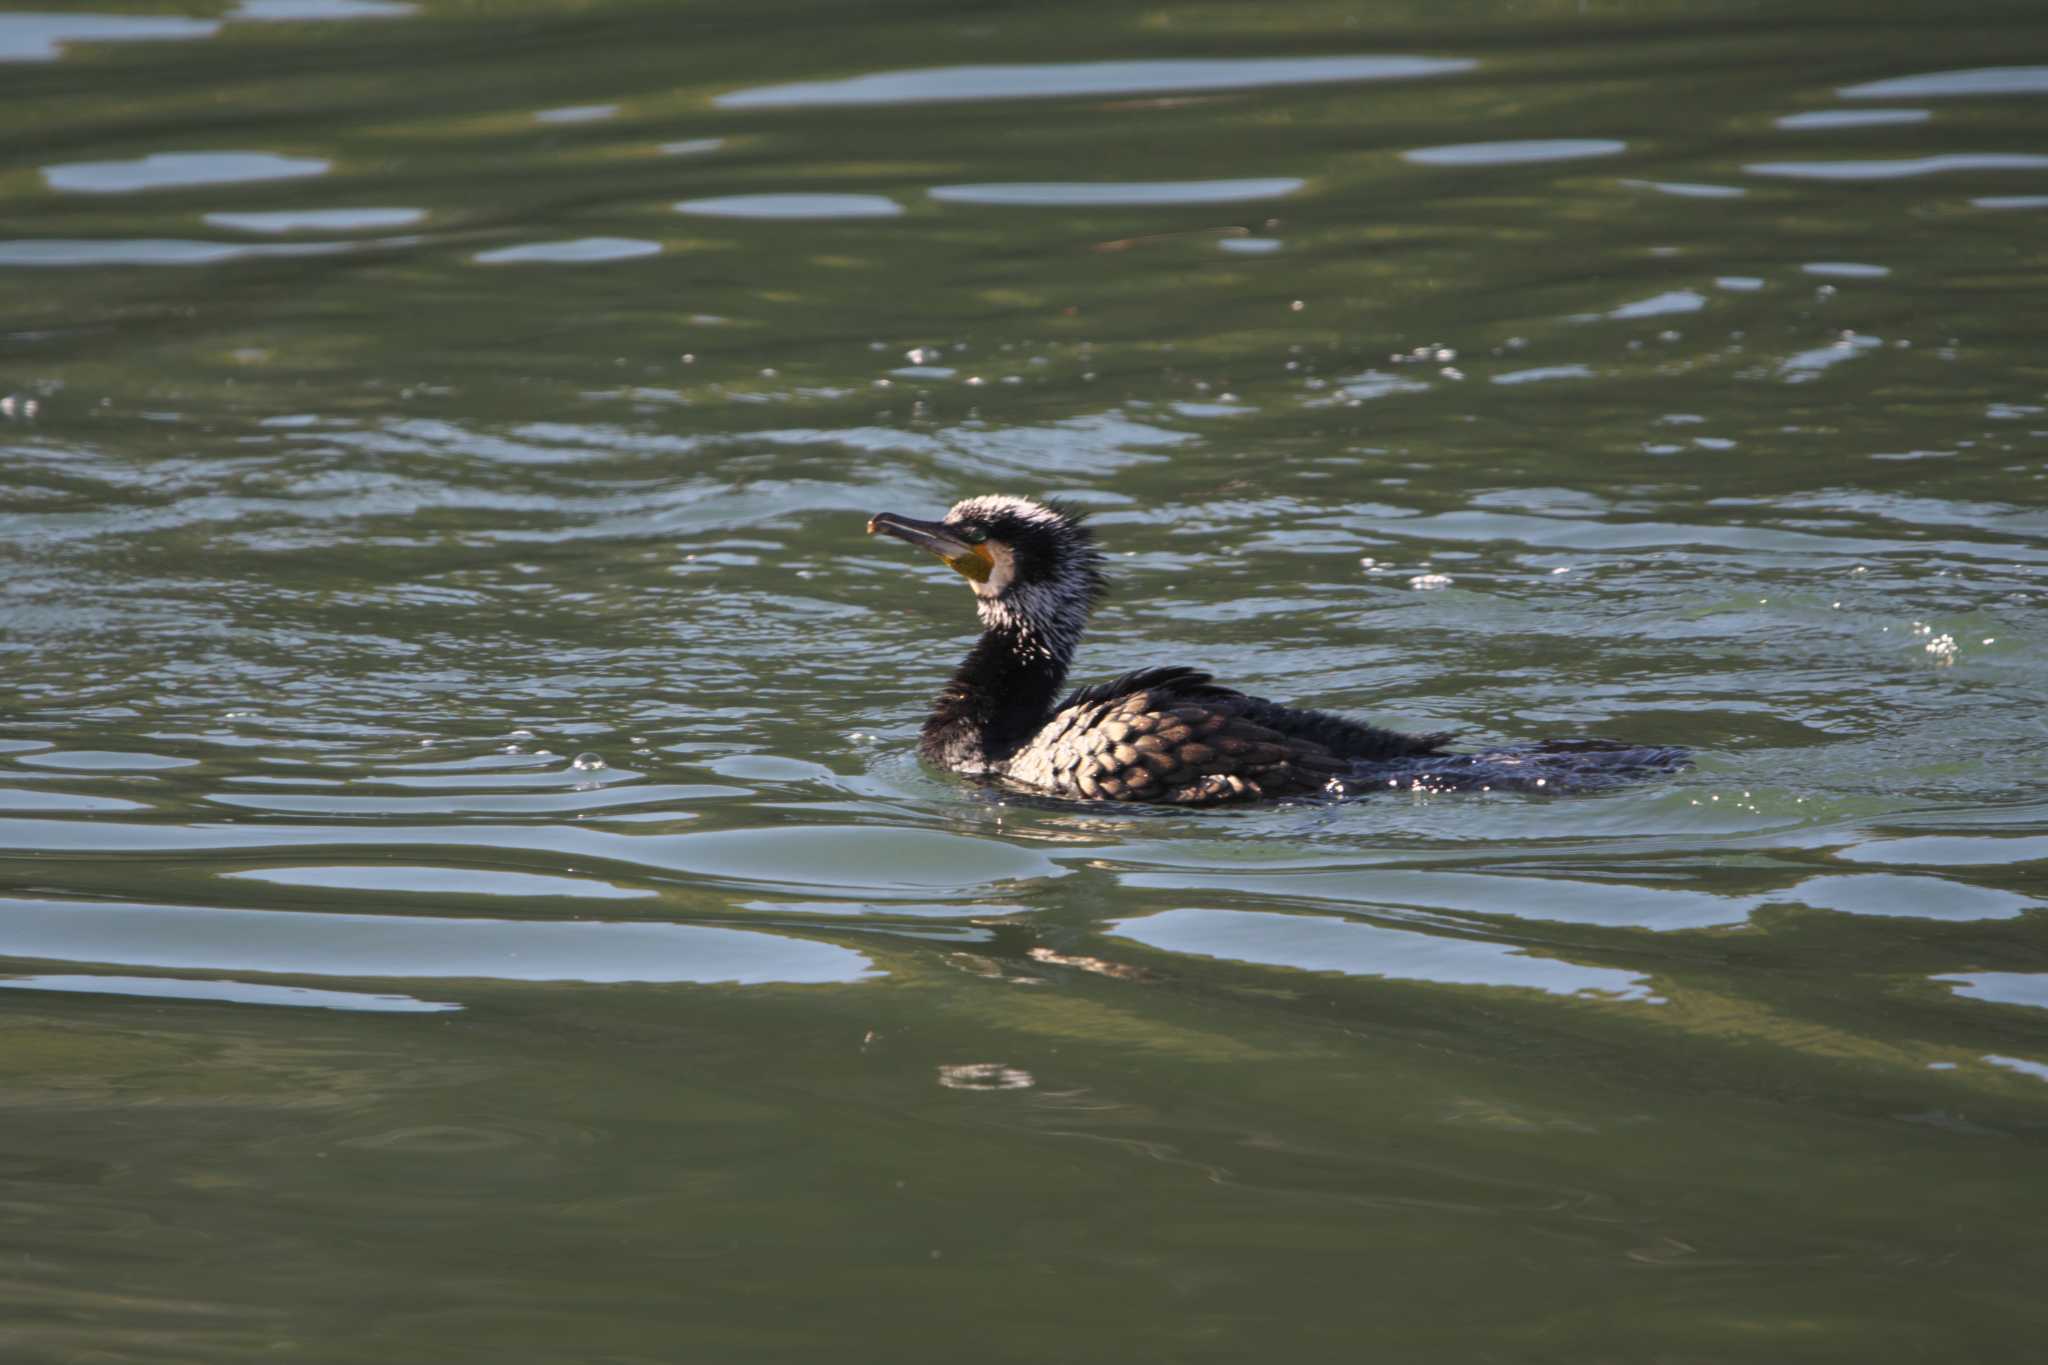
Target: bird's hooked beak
pixel 973 561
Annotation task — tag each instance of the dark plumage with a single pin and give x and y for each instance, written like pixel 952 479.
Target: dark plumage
pixel 1156 734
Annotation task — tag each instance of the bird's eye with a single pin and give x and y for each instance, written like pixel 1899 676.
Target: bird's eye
pixel 973 534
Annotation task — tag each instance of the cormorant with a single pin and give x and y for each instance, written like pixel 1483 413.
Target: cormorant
pixel 1154 734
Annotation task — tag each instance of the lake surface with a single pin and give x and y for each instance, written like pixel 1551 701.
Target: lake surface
pixel 466 885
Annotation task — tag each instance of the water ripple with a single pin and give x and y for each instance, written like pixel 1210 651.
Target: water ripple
pixel 1116 194
pixel 1900 168
pixel 180 170
pixel 1318 943
pixel 956 84
pixel 308 943
pixel 1988 80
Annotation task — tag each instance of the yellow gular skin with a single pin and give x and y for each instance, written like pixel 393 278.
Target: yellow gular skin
pixel 976 564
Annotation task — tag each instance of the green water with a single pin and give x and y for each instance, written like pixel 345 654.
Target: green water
pixel 380 437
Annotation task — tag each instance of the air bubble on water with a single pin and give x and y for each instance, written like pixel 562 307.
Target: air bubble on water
pixel 510 749
pixel 984 1076
pixel 521 734
pixel 1296 306
pixel 1429 581
pixel 1991 639
pixel 586 763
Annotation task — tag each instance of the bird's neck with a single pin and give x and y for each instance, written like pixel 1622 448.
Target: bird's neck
pixel 998 699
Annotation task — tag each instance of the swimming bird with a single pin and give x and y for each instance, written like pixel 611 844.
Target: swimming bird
pixel 1168 735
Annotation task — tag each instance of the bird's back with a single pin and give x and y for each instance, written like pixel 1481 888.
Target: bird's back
pixel 1171 735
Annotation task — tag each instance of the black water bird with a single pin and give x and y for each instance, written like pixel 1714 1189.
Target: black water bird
pixel 1155 734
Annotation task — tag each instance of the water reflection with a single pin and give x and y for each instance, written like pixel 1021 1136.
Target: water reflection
pixel 1989 80
pixel 2002 988
pixel 307 943
pixel 1057 79
pixel 1900 168
pixel 1918 897
pixel 318 220
pixel 578 113
pixel 429 881
pixel 1128 194
pixel 41 37
pixel 1530 151
pixel 162 251
pixel 792 206
pixel 230 992
pixel 1828 119
pixel 1679 189
pixel 580 251
pixel 2025 1066
pixel 320 11
pixel 103 760
pixel 1546 898
pixel 180 170
pixel 1317 943
pixel 910 862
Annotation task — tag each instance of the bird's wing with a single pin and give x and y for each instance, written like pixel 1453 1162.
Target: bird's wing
pixel 1176 678
pixel 1168 735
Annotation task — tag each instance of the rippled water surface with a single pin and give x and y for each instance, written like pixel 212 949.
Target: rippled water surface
pixel 466 885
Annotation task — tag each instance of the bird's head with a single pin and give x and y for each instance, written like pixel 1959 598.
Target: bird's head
pixel 1033 566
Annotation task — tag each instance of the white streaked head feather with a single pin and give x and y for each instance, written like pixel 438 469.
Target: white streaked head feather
pixel 1047 616
pixel 989 505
